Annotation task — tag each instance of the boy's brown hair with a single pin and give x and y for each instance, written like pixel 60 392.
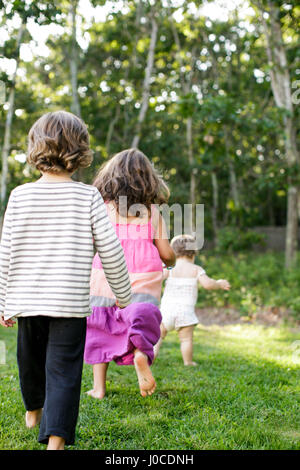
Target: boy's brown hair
pixel 59 141
pixel 180 246
pixel 129 173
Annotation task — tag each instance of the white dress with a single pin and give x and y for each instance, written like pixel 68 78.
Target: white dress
pixel 179 300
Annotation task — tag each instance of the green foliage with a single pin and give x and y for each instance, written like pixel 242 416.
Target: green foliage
pixel 207 73
pixel 187 105
pixel 234 239
pixel 42 12
pixel 258 281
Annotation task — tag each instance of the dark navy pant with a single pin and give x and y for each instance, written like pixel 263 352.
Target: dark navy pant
pixel 50 359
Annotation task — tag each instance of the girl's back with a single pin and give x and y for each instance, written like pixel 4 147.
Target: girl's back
pixel 48 248
pixel 180 291
pixel 182 284
pixel 142 258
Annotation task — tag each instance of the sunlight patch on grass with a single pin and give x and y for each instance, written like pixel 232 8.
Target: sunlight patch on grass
pixel 244 394
pixel 251 340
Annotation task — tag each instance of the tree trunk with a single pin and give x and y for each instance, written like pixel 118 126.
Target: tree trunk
pixel 75 105
pixel 232 176
pixel 189 141
pixel 215 189
pixel 111 129
pixel 291 240
pixel 281 88
pixel 270 207
pixel 8 125
pixel 233 184
pixel 139 11
pixel 146 85
pixel 186 88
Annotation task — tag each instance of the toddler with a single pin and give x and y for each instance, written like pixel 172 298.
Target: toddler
pixel 180 296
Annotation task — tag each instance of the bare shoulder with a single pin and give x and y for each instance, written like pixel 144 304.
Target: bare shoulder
pixel 156 216
pixel 191 270
pixel 199 270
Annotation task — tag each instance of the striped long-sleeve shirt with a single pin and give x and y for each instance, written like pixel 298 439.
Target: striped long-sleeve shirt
pixel 47 247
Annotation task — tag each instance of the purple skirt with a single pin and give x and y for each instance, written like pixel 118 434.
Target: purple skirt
pixel 114 333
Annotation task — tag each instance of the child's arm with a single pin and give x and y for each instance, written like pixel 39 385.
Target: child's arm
pixel 211 284
pixel 4 260
pixel 110 252
pixel 161 241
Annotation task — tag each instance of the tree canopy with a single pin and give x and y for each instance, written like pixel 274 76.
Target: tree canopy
pixel 211 120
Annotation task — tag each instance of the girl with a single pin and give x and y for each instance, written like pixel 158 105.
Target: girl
pixel 180 296
pixel 45 263
pixel 127 336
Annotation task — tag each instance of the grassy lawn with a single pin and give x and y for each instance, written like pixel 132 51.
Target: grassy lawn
pixel 243 395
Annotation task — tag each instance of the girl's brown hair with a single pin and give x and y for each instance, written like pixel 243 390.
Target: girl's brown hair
pixel 59 141
pixel 180 246
pixel 129 173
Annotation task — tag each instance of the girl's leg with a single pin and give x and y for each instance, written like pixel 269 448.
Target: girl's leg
pixel 64 361
pixel 146 380
pixel 56 443
pixel 33 418
pixel 186 345
pixel 99 389
pixel 31 356
pixel 163 334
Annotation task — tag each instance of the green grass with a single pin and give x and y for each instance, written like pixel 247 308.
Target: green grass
pixel 243 395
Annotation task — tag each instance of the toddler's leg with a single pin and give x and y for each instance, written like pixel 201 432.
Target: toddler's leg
pixel 186 345
pixel 146 380
pixel 99 388
pixel 163 334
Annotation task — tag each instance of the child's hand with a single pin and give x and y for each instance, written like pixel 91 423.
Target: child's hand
pixel 223 284
pixel 6 323
pixel 118 305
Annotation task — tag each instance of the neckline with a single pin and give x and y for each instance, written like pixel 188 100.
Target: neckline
pixel 55 182
pixel 109 204
pixel 185 278
pixel 131 223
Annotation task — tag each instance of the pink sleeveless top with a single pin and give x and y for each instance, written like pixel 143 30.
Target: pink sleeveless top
pixel 143 263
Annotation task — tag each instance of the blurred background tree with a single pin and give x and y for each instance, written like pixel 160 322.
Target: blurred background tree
pixel 194 84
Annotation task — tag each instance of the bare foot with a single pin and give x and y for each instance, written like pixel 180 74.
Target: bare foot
pixel 56 443
pixel 191 363
pixel 33 418
pixel 99 394
pixel 146 380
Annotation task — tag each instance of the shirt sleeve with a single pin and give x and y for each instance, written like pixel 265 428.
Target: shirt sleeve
pixel 201 271
pixel 110 251
pixel 5 247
